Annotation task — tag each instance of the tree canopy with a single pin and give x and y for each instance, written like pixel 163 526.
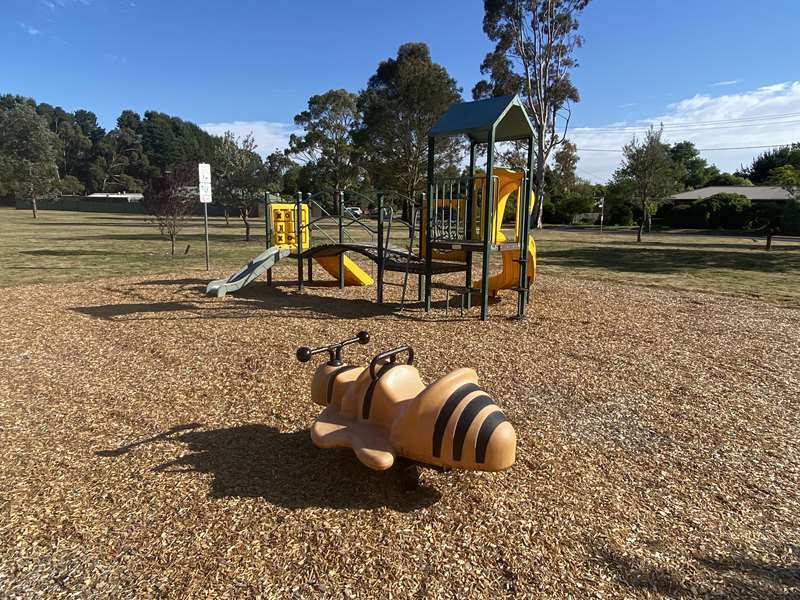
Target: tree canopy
pixel 401 102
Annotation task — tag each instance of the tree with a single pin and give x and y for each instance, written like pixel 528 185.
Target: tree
pixel 276 166
pixel 401 102
pixel 691 170
pixel 534 49
pixel 759 172
pixel 239 175
pixel 28 154
pixel 327 145
pixel 728 179
pixel 788 177
pixel 649 169
pixel 170 198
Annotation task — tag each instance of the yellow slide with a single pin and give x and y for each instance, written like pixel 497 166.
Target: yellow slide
pixel 509 277
pixel 353 274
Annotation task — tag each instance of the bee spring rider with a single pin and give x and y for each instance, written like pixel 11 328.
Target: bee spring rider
pixel 385 411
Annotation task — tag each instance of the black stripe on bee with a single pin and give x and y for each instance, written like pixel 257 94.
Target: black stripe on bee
pixel 466 418
pixel 446 412
pixel 332 379
pixel 488 426
pixel 366 407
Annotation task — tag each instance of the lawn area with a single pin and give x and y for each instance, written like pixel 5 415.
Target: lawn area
pixel 72 246
pixel 700 261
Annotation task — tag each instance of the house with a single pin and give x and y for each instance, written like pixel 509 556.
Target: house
pixel 756 193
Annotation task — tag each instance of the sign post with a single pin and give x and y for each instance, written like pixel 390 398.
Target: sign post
pixel 204 187
pixel 601 204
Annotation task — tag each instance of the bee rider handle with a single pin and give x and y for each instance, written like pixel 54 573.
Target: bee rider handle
pixel 390 357
pixel 334 351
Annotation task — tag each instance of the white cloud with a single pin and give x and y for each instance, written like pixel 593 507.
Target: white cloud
pixel 727 82
pixel 29 29
pixel 52 4
pixel 768 115
pixel 269 135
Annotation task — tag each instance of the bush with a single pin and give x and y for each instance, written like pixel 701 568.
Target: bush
pixel 790 219
pixel 619 214
pixel 729 211
pixel 720 211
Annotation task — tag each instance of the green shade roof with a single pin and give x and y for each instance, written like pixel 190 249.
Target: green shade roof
pixel 476 119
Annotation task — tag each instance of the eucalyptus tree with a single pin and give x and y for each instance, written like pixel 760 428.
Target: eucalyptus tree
pixel 534 54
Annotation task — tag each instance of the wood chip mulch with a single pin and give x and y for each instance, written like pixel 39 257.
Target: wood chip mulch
pixel 154 443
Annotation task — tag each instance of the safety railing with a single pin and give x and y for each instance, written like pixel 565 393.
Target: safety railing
pixel 457 207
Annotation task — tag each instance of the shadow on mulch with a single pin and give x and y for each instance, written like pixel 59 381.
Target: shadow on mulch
pixel 286 469
pixel 278 297
pixel 733 577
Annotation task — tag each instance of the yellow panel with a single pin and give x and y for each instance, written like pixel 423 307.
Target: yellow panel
pixel 353 274
pixel 284 224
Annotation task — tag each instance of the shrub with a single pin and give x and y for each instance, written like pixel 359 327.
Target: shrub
pixel 728 211
pixel 790 219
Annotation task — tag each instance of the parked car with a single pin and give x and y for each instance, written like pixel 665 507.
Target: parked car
pixel 354 211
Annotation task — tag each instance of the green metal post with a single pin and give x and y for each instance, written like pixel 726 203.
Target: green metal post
pixel 524 231
pixel 420 276
pixel 340 207
pixel 268 231
pixel 381 257
pixel 488 208
pixel 428 221
pixel 469 210
pixel 298 236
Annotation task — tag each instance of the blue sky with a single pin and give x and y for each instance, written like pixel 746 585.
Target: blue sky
pixel 252 64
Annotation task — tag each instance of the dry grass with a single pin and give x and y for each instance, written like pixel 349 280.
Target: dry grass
pixel 155 444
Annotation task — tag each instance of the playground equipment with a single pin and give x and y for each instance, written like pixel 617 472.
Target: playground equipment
pixel 260 264
pixel 459 217
pixel 385 411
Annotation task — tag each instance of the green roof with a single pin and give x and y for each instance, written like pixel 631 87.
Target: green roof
pixel 476 119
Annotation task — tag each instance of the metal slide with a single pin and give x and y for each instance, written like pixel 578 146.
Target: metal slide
pixel 260 264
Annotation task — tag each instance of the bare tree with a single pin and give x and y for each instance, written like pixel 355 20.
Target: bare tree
pixel 171 198
pixel 649 169
pixel 240 175
pixel 534 54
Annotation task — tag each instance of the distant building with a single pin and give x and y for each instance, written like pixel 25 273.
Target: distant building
pixel 756 193
pixel 128 196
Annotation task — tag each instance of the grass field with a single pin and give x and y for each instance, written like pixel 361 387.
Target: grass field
pixel 71 246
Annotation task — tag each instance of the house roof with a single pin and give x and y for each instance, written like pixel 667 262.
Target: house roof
pixel 475 119
pixel 761 193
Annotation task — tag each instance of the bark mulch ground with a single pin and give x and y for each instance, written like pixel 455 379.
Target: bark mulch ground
pixel 154 443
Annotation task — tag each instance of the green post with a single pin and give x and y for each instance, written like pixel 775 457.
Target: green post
pixel 488 208
pixel 428 221
pixel 340 210
pixel 469 226
pixel 420 275
pixel 298 236
pixel 268 231
pixel 524 228
pixel 381 257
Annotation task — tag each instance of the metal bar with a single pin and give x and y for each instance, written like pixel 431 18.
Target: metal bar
pixel 340 208
pixel 488 208
pixel 428 249
pixel 205 227
pixel 381 256
pixel 298 236
pixel 468 223
pixel 522 227
pixel 268 233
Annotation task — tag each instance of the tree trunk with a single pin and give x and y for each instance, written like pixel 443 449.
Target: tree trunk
pixel 769 240
pixel 172 244
pixel 33 206
pixel 243 214
pixel 539 189
pixel 649 221
pixel 226 216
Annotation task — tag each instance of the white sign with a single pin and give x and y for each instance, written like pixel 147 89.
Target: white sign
pixel 204 173
pixel 205 192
